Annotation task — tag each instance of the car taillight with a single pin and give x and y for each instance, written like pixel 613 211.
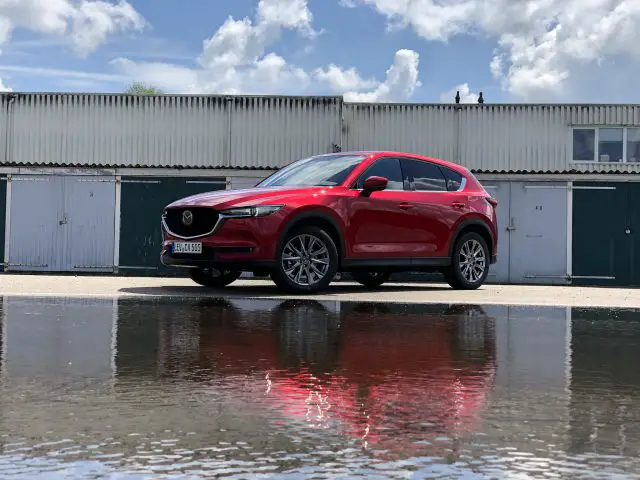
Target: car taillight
pixel 492 201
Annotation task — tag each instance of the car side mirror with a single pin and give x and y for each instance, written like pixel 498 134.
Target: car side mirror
pixel 375 184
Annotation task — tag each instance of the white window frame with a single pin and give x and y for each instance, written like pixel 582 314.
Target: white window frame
pixel 596 146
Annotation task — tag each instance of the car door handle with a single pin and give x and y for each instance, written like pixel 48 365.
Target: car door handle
pixel 458 205
pixel 405 206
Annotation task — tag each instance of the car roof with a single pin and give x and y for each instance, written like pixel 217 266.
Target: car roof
pixel 391 153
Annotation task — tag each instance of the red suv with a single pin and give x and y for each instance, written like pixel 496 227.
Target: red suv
pixel 366 213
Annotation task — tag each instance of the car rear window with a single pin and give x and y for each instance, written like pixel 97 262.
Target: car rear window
pixel 454 179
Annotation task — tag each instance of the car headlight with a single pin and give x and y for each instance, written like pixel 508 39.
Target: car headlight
pixel 247 212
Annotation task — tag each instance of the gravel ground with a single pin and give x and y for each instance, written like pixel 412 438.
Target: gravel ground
pixel 112 286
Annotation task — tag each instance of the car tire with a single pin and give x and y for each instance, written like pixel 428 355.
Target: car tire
pixel 371 279
pixel 214 278
pixel 469 274
pixel 306 273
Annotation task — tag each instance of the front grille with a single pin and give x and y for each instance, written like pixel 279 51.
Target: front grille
pixel 203 221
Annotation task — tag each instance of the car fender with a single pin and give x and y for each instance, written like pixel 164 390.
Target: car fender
pixel 465 222
pixel 315 211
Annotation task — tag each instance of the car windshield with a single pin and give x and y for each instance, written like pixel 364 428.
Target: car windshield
pixel 318 171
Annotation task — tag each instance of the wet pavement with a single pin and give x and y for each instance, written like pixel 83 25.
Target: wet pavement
pixel 169 388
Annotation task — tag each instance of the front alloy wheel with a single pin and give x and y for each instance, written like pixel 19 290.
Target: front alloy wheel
pixel 307 261
pixel 213 277
pixel 469 264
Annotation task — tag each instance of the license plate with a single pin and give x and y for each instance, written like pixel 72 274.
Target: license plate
pixel 187 247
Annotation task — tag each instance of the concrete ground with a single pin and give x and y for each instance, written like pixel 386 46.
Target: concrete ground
pixel 107 286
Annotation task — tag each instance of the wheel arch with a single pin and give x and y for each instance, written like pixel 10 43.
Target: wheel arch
pixel 320 219
pixel 473 225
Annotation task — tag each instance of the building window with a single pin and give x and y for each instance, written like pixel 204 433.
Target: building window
pixel 606 144
pixel 584 140
pixel 633 145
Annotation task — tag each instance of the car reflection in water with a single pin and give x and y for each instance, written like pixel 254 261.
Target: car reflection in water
pixel 393 377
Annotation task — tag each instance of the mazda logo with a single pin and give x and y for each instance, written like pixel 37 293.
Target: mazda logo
pixel 187 217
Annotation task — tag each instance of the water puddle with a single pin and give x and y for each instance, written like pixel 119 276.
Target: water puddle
pixel 172 388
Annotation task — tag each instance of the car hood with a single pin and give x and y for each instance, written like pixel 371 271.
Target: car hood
pixel 247 197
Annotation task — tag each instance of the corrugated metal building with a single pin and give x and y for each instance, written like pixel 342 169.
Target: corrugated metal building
pixel 84 177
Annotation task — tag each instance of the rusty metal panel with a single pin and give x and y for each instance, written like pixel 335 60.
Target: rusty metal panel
pixel 535 138
pixel 270 132
pixel 118 130
pixel 421 129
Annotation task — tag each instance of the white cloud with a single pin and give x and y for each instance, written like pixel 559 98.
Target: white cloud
pixel 540 42
pixel 236 59
pixel 162 75
pixel 62 73
pixel 85 24
pixel 400 85
pixel 3 87
pixel 466 96
pixel 343 80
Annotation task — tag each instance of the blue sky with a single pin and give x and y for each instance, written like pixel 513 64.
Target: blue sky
pixel 369 50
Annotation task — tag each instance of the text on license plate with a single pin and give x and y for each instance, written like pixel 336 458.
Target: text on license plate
pixel 187 247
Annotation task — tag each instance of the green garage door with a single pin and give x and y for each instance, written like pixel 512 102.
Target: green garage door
pixel 141 203
pixel 605 245
pixel 634 227
pixel 3 217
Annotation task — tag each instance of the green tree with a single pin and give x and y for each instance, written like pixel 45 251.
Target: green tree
pixel 138 88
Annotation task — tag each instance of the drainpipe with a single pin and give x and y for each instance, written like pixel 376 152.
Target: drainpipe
pixel 11 97
pixel 456 133
pixel 229 106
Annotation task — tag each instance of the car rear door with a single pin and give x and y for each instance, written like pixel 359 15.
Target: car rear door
pixel 435 203
pixel 381 225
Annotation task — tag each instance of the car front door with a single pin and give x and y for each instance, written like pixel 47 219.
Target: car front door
pixel 435 203
pixel 382 224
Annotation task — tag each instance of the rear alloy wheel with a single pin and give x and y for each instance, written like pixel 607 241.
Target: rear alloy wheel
pixel 306 262
pixel 469 264
pixel 372 279
pixel 213 277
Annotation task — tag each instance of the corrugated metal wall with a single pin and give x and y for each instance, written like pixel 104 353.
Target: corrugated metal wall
pixel 263 132
pixel 4 118
pixel 422 129
pixel 118 130
pixel 272 132
pixel 534 138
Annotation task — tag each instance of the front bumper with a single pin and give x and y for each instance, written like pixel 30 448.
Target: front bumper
pixel 238 257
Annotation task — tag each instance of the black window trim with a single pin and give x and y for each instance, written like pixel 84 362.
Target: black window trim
pixel 463 183
pixel 362 175
pixel 446 190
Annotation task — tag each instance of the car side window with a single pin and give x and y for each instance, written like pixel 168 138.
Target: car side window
pixel 388 168
pixel 424 176
pixel 455 181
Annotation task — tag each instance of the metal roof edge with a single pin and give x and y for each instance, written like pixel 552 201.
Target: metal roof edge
pixel 170 95
pixel 325 97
